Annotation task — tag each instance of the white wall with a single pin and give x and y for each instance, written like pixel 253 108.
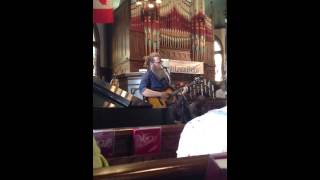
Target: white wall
pixel 221 34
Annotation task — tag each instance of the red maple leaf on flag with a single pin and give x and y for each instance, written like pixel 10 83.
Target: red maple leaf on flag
pixel 103 2
pixel 102 11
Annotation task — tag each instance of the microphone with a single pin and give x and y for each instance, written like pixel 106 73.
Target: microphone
pixel 167 72
pixel 163 67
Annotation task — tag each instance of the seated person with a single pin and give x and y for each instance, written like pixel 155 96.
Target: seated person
pixel 221 93
pixel 181 112
pixel 98 160
pixel 206 134
pixel 199 107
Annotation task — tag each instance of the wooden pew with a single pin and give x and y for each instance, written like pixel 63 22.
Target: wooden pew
pixel 217 168
pixel 123 147
pixel 194 167
pixel 137 158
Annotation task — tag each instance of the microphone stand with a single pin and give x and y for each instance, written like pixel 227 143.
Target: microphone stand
pixel 167 73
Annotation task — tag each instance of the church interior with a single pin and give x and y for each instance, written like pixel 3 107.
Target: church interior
pixel 179 130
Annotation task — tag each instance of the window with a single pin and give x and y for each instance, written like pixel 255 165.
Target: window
pixel 218 60
pixel 96 52
pixel 94 55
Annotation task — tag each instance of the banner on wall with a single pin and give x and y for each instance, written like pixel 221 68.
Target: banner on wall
pixel 186 67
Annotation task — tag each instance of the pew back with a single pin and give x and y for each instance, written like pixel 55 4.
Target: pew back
pixel 123 146
pixel 194 167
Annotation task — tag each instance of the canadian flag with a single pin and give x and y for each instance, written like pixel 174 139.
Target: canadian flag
pixel 102 11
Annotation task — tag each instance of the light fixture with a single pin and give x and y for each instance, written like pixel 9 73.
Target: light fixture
pixel 150 5
pixel 153 2
pixel 148 8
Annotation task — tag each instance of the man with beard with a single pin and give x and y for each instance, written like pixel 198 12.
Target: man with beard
pixel 155 84
pixel 155 81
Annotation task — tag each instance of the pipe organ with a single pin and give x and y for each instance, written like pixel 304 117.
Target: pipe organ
pixel 178 30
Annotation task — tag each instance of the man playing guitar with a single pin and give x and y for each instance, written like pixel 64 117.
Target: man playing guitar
pixel 155 83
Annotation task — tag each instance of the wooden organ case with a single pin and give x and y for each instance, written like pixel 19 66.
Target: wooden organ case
pixel 178 30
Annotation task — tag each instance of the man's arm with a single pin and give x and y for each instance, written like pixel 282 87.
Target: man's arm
pixel 150 93
pixel 147 92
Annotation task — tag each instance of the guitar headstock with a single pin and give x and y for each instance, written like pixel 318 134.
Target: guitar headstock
pixel 196 80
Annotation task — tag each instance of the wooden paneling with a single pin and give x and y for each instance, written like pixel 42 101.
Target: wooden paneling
pixel 122 67
pixel 209 72
pixel 120 39
pixel 175 54
pixel 136 45
pixel 135 65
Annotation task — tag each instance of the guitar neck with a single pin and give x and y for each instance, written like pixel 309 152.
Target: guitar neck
pixel 180 89
pixel 176 92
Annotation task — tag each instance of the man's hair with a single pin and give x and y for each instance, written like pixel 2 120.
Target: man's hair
pixel 147 61
pixel 154 54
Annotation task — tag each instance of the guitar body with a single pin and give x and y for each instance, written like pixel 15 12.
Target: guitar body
pixel 158 102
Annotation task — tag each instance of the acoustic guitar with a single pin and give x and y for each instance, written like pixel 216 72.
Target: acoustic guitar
pixel 158 102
